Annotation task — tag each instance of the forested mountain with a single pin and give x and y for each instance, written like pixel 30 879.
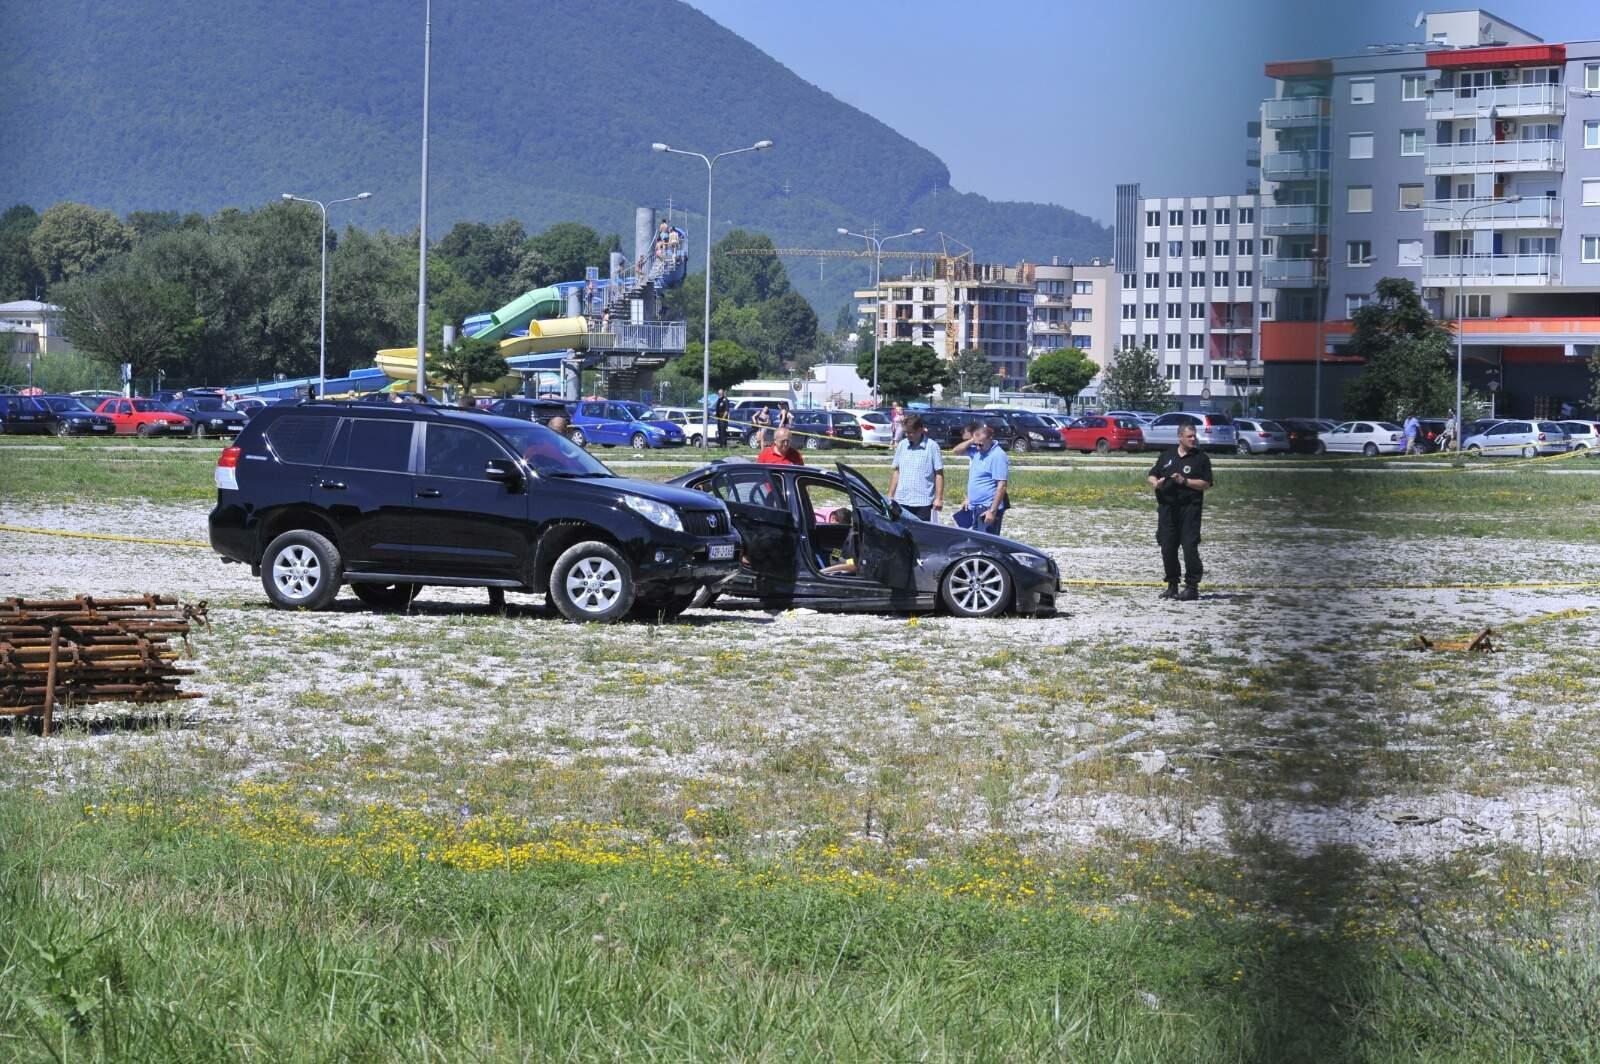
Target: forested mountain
pixel 541 112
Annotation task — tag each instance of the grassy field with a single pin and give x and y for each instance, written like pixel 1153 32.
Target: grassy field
pixel 1257 829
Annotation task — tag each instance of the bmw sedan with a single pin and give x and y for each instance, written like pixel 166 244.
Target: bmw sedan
pixel 831 541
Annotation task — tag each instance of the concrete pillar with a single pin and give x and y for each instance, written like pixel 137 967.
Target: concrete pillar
pixel 644 228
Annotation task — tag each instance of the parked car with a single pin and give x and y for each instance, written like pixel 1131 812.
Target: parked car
pixel 389 498
pixel 75 417
pixel 816 430
pixel 143 417
pixel 1254 435
pixel 539 410
pixel 742 412
pixel 26 413
pixel 1370 438
pixel 1145 416
pixel 689 419
pixel 248 405
pixel 876 426
pixel 946 425
pixel 1213 432
pixel 420 398
pixel 1305 434
pixel 1029 432
pixel 900 563
pixel 614 423
pixel 1103 433
pixel 1584 435
pixel 1525 438
pixel 209 415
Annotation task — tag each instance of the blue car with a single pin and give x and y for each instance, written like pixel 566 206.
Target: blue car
pixel 613 423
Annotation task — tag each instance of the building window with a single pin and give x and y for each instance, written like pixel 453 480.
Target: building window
pixel 1152 310
pixel 1152 249
pixel 1174 249
pixel 1591 249
pixel 1083 288
pixel 1411 197
pixel 1247 278
pixel 1173 372
pixel 1219 278
pixel 1173 341
pixel 1591 133
pixel 1197 217
pixel 1591 192
pixel 1247 215
pixel 1174 280
pixel 1130 280
pixel 1082 343
pixel 1353 303
pixel 1591 77
pixel 1175 218
pixel 1152 280
pixel 1220 247
pixel 1197 310
pixel 1197 280
pixel 1358 199
pixel 1197 341
pixel 1266 311
pixel 1363 90
pixel 1197 249
pixel 1224 216
pixel 1197 371
pixel 1174 310
pixel 1475 306
pixel 1152 219
pixel 1358 252
pixel 1412 86
pixel 1412 141
pixel 1409 253
pixel 1266 247
pixel 1082 314
pixel 1247 247
pixel 1361 145
pixel 1218 372
pixel 1130 311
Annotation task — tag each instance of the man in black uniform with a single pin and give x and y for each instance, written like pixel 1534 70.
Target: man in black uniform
pixel 720 412
pixel 1181 477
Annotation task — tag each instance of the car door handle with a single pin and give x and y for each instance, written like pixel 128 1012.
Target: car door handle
pixel 429 493
pixel 331 485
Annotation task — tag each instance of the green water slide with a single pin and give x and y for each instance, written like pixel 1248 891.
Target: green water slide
pixel 540 303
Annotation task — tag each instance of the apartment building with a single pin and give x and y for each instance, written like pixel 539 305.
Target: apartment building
pixel 1074 306
pixel 1467 162
pixel 1190 290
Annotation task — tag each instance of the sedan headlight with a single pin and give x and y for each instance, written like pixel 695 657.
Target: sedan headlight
pixel 1031 560
pixel 1035 436
pixel 655 512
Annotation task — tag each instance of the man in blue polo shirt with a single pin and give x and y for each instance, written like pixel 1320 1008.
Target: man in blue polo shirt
pixel 986 481
pixel 917 480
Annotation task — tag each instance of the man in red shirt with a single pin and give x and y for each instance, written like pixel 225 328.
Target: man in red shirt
pixel 780 453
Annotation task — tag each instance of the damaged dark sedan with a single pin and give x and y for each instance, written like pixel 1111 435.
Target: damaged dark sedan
pixel 831 541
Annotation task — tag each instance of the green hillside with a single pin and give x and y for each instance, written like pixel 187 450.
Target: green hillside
pixel 541 112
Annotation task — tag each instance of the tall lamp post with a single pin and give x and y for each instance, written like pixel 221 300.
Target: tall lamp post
pixel 1461 300
pixel 877 243
pixel 322 314
pixel 705 342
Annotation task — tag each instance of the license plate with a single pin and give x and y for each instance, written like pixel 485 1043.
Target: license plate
pixel 102 428
pixel 721 552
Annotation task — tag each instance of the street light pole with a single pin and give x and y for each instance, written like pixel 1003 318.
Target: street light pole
pixel 705 342
pixel 877 243
pixel 322 314
pixel 1461 301
pixel 422 225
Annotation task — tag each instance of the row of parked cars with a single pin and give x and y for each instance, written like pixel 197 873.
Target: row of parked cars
pixel 189 414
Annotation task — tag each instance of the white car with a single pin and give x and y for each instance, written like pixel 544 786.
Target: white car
pixel 875 426
pixel 1370 438
pixel 1584 435
pixel 688 419
pixel 1525 438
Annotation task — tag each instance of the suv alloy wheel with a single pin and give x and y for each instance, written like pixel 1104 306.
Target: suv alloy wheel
pixel 301 570
pixel 591 581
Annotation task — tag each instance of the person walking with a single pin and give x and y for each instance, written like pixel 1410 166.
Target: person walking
pixel 720 412
pixel 987 473
pixel 760 422
pixel 781 452
pixel 1413 429
pixel 916 480
pixel 1181 477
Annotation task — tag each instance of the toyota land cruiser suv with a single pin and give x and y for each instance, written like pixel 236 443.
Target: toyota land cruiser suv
pixel 390 498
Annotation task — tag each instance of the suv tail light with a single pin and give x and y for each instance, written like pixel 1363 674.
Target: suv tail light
pixel 225 475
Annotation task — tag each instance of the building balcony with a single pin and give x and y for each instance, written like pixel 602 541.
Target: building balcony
pixel 1294 165
pixel 1496 156
pixel 1294 219
pixel 1532 212
pixel 1294 273
pixel 1506 101
pixel 1243 323
pixel 1051 299
pixel 1291 113
pixel 1449 271
pixel 1055 327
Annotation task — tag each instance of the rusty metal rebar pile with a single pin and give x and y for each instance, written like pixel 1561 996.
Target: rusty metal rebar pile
pixel 76 651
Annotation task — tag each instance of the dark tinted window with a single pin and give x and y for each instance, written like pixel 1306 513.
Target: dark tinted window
pixel 451 451
pixel 1550 426
pixel 301 440
pixel 751 487
pixel 373 444
pixel 592 409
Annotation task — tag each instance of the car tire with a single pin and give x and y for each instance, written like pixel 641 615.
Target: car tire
pixel 591 581
pixel 1370 450
pixel 198 432
pixel 1242 447
pixel 703 597
pixel 640 442
pixel 577 437
pixel 301 570
pixel 386 596
pixel 144 429
pixel 1530 451
pixel 1475 451
pixel 976 586
pixel 1022 446
pixel 1102 446
pixel 813 443
pixel 664 608
pixel 1322 448
pixel 63 429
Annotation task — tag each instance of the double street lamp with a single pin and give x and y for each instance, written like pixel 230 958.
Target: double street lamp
pixel 877 243
pixel 1461 299
pixel 322 315
pixel 705 343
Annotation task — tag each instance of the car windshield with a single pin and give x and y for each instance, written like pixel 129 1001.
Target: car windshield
pixel 551 454
pixel 1033 421
pixel 148 406
pixel 209 404
pixel 65 403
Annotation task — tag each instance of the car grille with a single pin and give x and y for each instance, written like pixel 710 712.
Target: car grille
pixel 705 523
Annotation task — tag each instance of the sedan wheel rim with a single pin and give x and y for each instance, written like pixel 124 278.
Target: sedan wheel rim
pixel 977 585
pixel 594 584
pixel 297 572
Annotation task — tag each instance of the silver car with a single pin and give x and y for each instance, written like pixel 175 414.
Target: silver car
pixel 1260 436
pixel 1583 435
pixel 1213 432
pixel 1525 438
pixel 1370 438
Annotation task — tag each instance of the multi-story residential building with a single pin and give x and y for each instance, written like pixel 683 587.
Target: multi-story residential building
pixel 1467 163
pixel 1074 306
pixel 1190 290
pixel 29 328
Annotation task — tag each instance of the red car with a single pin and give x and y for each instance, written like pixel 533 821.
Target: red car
pixel 143 417
pixel 1103 433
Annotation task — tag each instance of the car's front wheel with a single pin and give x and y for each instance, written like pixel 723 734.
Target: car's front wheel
pixel 1322 448
pixel 1022 445
pixel 385 596
pixel 301 570
pixel 591 581
pixel 1475 451
pixel 145 429
pixel 640 441
pixel 976 586
pixel 63 428
pixel 199 431
pixel 576 436
pixel 1370 450
pixel 1242 447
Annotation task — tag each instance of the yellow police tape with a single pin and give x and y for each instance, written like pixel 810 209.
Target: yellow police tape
pixel 1066 582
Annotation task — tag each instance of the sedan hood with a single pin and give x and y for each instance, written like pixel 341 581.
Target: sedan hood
pixel 682 498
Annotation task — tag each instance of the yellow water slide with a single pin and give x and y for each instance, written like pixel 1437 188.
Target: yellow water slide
pixel 553 334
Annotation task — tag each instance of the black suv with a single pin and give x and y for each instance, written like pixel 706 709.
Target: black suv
pixel 388 498
pixel 540 410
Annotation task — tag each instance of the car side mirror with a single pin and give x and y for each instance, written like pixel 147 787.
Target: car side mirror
pixel 502 471
pixel 895 510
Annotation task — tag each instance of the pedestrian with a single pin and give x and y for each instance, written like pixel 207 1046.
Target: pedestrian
pixel 916 480
pixel 760 421
pixel 562 427
pixel 987 473
pixel 1181 477
pixel 785 418
pixel 781 452
pixel 1413 429
pixel 720 412
pixel 897 423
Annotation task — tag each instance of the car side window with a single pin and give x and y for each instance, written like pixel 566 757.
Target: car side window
pixel 453 451
pixel 592 409
pixel 751 487
pixel 368 443
pixel 301 440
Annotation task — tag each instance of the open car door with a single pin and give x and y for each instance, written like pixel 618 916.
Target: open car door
pixel 886 552
pixel 758 502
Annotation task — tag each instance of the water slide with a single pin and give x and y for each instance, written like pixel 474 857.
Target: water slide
pixel 517 317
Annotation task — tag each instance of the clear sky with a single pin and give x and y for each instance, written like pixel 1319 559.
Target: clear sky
pixel 1058 100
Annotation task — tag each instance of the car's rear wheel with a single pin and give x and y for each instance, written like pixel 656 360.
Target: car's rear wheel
pixel 976 586
pixel 813 443
pixel 591 581
pixel 696 440
pixel 1530 451
pixel 1102 446
pixel 1242 447
pixel 301 570
pixel 386 596
pixel 640 441
pixel 1370 450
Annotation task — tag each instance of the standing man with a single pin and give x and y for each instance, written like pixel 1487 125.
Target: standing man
pixel 986 481
pixel 1181 477
pixel 720 412
pixel 917 480
pixel 1412 429
pixel 781 452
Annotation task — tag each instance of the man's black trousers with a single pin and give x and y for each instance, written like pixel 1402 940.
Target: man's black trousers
pixel 1179 525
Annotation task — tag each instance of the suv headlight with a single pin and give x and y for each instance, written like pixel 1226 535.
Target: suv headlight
pixel 656 513
pixel 1035 436
pixel 1032 561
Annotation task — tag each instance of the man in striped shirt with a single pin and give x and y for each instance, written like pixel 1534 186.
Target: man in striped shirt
pixel 917 480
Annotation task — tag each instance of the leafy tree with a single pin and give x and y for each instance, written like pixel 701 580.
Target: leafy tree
pixel 1594 378
pixel 568 247
pixel 469 361
pixel 788 325
pixel 905 370
pixel 747 279
pixel 118 316
pixel 72 239
pixel 730 365
pixel 1065 372
pixel 485 259
pixel 973 371
pixel 1133 380
pixel 1407 352
pixel 19 277
pixel 146 224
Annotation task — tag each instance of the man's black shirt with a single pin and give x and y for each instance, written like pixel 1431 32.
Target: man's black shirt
pixel 1196 465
